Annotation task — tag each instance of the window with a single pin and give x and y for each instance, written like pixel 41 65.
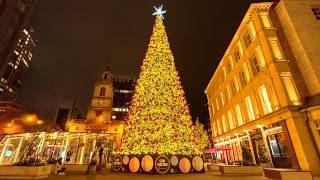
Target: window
pixel 224 73
pixel 98 113
pixel 265 20
pixel 249 108
pixel 291 90
pixel 260 57
pixel 217 104
pixel 214 126
pixel 248 39
pixel 243 80
pixel 219 126
pixel 105 76
pixel 234 85
pixel 316 12
pixel 264 98
pixel 222 98
pixel 212 110
pixel 228 92
pixel 231 122
pixel 275 46
pixel 224 124
pixel 239 116
pixel 237 55
pixel 230 63
pixel 254 65
pixel 102 91
pixel 252 30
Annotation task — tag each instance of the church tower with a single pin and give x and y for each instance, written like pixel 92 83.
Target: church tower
pixel 100 108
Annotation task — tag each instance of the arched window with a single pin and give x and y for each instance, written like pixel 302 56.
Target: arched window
pixel 105 76
pixel 102 91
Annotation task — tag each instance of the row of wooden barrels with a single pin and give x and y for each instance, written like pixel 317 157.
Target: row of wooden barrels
pixel 160 164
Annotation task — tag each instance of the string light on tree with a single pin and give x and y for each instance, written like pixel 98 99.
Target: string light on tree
pixel 159 120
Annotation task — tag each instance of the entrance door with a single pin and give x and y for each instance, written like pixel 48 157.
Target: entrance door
pixel 279 151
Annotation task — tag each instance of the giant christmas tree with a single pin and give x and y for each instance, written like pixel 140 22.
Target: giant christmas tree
pixel 159 121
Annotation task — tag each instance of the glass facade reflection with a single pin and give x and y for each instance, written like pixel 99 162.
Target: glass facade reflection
pixel 43 147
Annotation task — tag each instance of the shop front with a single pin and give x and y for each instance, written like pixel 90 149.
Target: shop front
pixel 267 146
pixel 41 148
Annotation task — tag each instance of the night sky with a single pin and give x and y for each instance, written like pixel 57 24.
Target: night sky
pixel 78 39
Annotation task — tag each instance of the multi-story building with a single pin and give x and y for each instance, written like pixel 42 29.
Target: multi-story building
pixel 16 44
pixel 123 89
pixel 108 107
pixel 263 97
pixel 68 110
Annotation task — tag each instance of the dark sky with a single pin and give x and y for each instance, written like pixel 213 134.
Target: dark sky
pixel 77 39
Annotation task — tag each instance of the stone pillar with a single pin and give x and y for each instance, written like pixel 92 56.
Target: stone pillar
pixel 303 145
pixel 251 148
pixel 266 145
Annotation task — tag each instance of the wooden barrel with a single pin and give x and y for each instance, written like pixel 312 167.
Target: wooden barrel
pixel 116 163
pixel 174 160
pixel 134 165
pixel 147 163
pixel 125 160
pixel 197 163
pixel 184 165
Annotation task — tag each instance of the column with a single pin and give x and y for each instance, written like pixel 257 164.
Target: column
pixel 266 145
pixel 303 145
pixel 251 148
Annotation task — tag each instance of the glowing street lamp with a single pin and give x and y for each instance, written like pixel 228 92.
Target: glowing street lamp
pixel 39 122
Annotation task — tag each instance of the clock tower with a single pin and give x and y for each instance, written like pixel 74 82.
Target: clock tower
pixel 100 108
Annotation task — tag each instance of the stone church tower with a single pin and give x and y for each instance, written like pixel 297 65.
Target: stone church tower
pixel 100 108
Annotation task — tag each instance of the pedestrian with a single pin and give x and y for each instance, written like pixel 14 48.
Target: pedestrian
pixel 101 150
pixel 93 161
pixel 59 170
pixel 69 154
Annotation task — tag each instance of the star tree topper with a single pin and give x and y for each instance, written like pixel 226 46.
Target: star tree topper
pixel 159 11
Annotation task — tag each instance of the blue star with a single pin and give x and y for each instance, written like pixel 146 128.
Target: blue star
pixel 159 11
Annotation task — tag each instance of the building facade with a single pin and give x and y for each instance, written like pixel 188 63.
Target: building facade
pixel 16 45
pixel 67 110
pixel 108 107
pixel 263 98
pixel 123 89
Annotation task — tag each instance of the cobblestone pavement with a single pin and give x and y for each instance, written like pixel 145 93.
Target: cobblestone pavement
pixel 128 176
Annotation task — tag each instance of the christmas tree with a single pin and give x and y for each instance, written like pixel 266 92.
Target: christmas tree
pixel 159 120
pixel 201 136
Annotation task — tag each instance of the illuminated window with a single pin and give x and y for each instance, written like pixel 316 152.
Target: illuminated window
pixel 316 12
pixel 231 122
pixel 228 92
pixel 230 63
pixel 102 91
pixel 275 46
pixel 260 57
pixel 224 123
pixel 234 85
pixel 291 90
pixel 249 108
pixel 264 98
pixel 248 39
pixel 214 126
pixel 265 20
pixel 239 116
pixel 217 105
pixel 224 73
pixel 219 126
pixel 222 98
pixel 243 79
pixel 252 29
